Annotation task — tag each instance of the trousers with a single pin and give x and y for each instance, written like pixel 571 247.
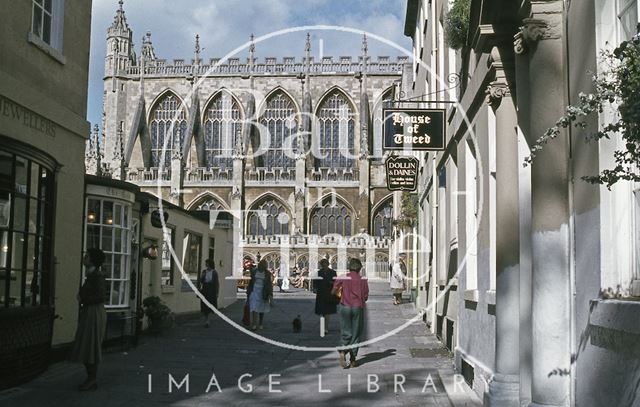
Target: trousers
pixel 351 326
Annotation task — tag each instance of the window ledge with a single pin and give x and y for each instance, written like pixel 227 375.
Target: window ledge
pixel 620 315
pixel 471 295
pixel 490 296
pixel 168 289
pixel 46 48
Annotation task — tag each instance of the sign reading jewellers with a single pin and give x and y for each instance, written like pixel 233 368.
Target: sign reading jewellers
pixel 413 129
pixel 402 173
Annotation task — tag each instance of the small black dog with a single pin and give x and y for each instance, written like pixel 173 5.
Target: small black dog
pixel 297 324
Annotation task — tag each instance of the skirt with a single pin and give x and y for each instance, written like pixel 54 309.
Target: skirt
pixel 92 326
pixel 397 290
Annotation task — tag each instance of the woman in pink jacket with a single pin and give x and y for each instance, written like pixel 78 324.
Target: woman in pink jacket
pixel 355 292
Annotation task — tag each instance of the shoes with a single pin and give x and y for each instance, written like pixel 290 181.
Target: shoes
pixel 342 360
pixel 261 327
pixel 88 385
pixel 253 327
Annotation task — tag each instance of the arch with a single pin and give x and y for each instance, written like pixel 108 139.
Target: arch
pixel 204 197
pixel 279 114
pixel 263 102
pixel 336 119
pixel 216 94
pixel 264 216
pixel 302 261
pixel 329 217
pixel 330 195
pixel 336 88
pixel 162 94
pixel 273 259
pixel 161 118
pixel 222 120
pixel 378 220
pixel 376 134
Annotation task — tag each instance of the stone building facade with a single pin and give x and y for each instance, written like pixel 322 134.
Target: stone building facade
pixel 44 61
pixel 533 277
pixel 213 116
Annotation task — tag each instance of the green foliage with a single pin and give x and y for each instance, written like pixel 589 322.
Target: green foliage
pixel 456 24
pixel 616 87
pixel 408 211
pixel 158 313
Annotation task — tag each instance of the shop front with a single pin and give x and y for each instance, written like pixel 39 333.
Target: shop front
pixel 27 192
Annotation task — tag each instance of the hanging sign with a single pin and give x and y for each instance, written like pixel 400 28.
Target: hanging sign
pixel 402 173
pixel 413 129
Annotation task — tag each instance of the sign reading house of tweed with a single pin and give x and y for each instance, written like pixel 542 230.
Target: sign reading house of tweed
pixel 413 129
pixel 402 173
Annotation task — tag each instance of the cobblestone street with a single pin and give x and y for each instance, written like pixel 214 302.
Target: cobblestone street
pixel 305 377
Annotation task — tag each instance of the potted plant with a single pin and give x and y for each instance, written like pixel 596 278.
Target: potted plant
pixel 158 313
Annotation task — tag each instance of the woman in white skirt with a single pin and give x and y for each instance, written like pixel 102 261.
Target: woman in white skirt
pixel 260 293
pixel 92 323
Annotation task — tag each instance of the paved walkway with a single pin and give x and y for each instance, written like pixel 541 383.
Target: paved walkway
pixel 305 378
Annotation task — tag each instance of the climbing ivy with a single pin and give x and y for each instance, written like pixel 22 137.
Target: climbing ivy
pixel 408 211
pixel 456 24
pixel 616 87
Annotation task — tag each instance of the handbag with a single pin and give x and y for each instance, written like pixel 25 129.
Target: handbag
pixel 246 314
pixel 336 296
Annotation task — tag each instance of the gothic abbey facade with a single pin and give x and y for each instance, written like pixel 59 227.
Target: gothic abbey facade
pixel 194 132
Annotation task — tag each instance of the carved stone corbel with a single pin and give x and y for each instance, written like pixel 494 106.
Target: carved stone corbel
pixel 495 92
pixel 531 31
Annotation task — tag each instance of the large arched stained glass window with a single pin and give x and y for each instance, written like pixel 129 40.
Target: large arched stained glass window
pixel 167 111
pixel 279 118
pixel 222 125
pixel 269 217
pixel 331 216
pixel 384 101
pixel 336 132
pixel 382 219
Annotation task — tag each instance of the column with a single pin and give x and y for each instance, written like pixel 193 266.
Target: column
pixel 504 389
pixel 540 44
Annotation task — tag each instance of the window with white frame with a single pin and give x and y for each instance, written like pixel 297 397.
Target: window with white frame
pixel 628 18
pixel 192 257
pixel 108 227
pixel 167 262
pixel 47 20
pixel 635 278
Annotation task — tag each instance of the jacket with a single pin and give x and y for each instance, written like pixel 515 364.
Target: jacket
pixel 267 289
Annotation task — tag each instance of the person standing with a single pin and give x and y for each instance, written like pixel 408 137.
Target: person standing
pixel 355 293
pixel 260 293
pixel 325 305
pixel 209 287
pixel 92 322
pixel 398 280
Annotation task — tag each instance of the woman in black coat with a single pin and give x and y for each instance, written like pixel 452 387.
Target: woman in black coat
pixel 325 304
pixel 209 287
pixel 92 323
